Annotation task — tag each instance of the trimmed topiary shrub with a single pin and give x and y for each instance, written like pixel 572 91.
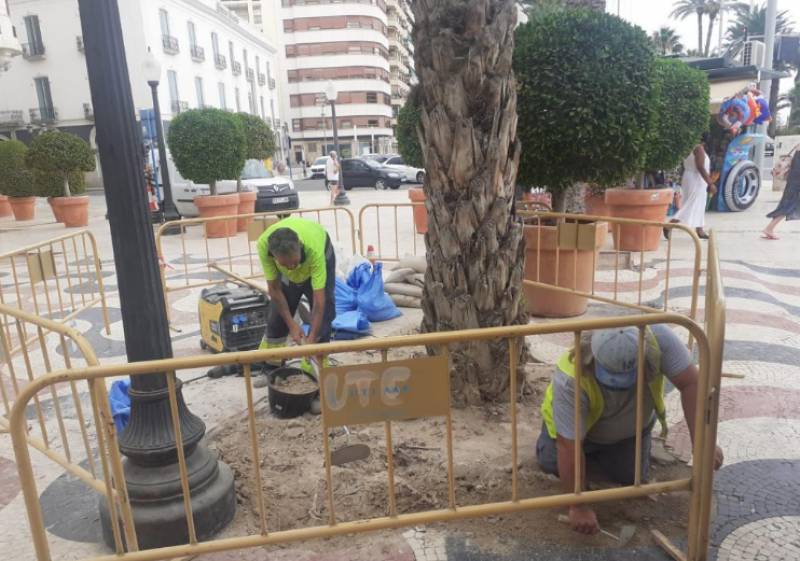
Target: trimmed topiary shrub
pixel 585 99
pixel 48 184
pixel 407 137
pixel 207 145
pixel 59 156
pixel 681 113
pixel 15 178
pixel 259 137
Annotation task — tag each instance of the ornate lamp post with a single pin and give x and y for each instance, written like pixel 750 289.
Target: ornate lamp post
pixel 330 93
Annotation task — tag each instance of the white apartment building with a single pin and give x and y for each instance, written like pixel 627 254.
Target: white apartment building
pixel 209 58
pixel 9 44
pixel 401 53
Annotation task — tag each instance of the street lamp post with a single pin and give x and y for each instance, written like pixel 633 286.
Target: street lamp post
pixel 331 93
pixel 152 71
pixel 148 442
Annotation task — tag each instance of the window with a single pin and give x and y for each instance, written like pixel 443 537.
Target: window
pixel 261 105
pixel 258 64
pixel 164 17
pixel 198 86
pixel 215 44
pixel 244 57
pixel 230 50
pixel 172 80
pixel 222 103
pixel 238 102
pixel 372 123
pixel 269 74
pixel 44 97
pixel 251 103
pixel 192 34
pixel 372 97
pixel 34 34
pixel 297 125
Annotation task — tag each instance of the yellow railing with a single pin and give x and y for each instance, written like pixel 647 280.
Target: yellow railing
pixel 391 230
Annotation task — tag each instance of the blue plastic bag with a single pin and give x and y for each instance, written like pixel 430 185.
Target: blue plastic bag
pixel 120 403
pixel 373 301
pixel 360 275
pixel 353 321
pixel 345 297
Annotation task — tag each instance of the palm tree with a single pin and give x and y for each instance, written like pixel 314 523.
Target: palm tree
pixel 751 20
pixel 682 9
pixel 666 41
pixel 468 120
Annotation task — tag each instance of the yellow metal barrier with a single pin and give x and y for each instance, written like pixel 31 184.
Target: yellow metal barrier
pixel 187 258
pixel 338 409
pixel 391 230
pixel 56 279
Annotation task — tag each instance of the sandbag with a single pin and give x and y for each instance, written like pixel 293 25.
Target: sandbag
pixel 404 301
pixel 399 275
pixel 353 322
pixel 373 300
pixel 416 262
pixel 360 275
pixel 419 279
pixel 345 297
pixel 400 288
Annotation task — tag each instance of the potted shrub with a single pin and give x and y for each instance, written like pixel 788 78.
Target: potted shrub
pixel 260 146
pixel 208 145
pixel 58 161
pixel 408 145
pixel 15 180
pixel 582 112
pixel 679 118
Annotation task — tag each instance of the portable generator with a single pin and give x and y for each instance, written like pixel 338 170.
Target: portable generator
pixel 232 318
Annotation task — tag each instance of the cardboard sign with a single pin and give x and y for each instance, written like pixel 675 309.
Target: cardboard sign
pixel 258 225
pixel 385 391
pixel 42 266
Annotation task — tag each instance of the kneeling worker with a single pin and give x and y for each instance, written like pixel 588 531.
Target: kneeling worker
pixel 608 407
pixel 298 260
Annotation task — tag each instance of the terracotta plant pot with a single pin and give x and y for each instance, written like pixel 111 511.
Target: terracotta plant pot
pixel 24 208
pixel 72 211
pixel 5 206
pixel 247 205
pixel 641 204
pixel 417 195
pixel 595 204
pixel 581 242
pixel 56 210
pixel 218 205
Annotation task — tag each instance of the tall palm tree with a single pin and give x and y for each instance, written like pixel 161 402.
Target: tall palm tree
pixel 682 9
pixel 468 121
pixel 666 41
pixel 751 20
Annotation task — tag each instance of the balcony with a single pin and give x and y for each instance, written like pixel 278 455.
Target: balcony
pixel 220 62
pixel 79 44
pixel 179 106
pixel 33 51
pixel 250 74
pixel 11 118
pixel 88 111
pixel 262 79
pixel 170 44
pixel 236 67
pixel 198 53
pixel 43 115
pixel 272 83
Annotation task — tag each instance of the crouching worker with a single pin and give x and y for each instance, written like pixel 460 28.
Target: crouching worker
pixel 298 260
pixel 608 407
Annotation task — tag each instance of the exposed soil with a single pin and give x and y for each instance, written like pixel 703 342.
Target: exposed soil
pixel 295 384
pixel 295 494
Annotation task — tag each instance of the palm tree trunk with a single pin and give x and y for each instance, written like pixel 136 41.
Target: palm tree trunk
pixel 700 32
pixel 468 126
pixel 711 18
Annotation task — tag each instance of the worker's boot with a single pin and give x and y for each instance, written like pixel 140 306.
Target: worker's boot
pixel 262 380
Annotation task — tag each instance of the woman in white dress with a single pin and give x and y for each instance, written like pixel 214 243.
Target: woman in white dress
pixel 695 182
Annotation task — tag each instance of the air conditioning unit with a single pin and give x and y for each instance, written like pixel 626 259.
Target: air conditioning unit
pixel 753 53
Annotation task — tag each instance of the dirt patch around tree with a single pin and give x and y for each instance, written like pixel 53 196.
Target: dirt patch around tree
pixel 295 493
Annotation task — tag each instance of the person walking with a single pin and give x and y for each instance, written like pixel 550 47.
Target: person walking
pixel 332 170
pixel 789 206
pixel 695 182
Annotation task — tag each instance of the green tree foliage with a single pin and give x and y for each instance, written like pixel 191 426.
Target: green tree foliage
pixel 666 41
pixel 585 99
pixel 260 138
pixel 407 137
pixel 57 156
pixel 207 145
pixel 681 113
pixel 15 178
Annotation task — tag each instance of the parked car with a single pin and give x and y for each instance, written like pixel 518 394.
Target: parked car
pixel 409 173
pixel 318 167
pixel 380 158
pixel 359 172
pixel 274 192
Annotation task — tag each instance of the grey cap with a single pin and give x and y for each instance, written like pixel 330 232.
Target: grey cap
pixel 616 350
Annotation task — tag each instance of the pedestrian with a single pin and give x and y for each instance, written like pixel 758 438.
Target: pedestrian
pixel 298 260
pixel 695 183
pixel 789 206
pixel 332 170
pixel 608 407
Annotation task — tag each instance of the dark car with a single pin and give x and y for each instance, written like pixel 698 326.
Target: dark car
pixel 357 172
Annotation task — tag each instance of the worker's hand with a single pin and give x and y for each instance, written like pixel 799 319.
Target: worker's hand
pixel 583 519
pixel 712 188
pixel 296 333
pixel 719 458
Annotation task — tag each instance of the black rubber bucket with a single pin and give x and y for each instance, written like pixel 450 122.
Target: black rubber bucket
pixel 284 404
